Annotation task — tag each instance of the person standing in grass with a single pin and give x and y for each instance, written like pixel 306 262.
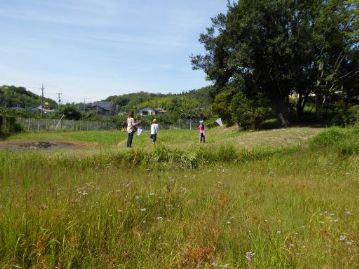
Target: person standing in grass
pixel 154 131
pixel 131 128
pixel 202 134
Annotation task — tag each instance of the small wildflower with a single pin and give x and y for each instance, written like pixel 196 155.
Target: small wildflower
pixel 83 193
pixel 249 256
pixel 349 242
pixel 159 218
pixel 228 222
pixel 152 194
pixel 279 232
pixel 143 209
pixel 348 213
pixel 343 237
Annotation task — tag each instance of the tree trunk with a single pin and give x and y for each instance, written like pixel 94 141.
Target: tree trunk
pixel 281 107
pixel 302 99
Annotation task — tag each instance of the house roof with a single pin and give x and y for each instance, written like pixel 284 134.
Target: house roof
pixel 103 105
pixel 147 108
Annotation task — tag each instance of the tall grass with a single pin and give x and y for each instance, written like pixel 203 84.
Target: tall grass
pixel 171 208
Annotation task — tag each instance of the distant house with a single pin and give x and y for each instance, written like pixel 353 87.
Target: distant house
pixel 102 107
pixel 44 110
pixel 149 111
pixel 160 110
pixel 17 107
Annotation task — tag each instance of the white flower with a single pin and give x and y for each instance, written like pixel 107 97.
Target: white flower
pixel 342 237
pixel 159 218
pixel 249 256
pixel 143 209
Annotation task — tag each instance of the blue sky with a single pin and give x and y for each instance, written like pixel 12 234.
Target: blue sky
pixel 98 48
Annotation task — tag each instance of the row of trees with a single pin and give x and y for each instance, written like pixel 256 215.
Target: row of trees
pixel 192 104
pixel 19 97
pixel 260 53
pixel 17 101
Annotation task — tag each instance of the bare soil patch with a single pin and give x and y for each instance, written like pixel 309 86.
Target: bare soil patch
pixel 39 145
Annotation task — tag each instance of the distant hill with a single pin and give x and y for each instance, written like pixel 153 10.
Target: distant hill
pixel 171 102
pixel 19 97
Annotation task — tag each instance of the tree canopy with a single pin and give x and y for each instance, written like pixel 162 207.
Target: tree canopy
pixel 260 52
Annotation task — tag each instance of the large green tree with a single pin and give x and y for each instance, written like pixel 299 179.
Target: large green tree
pixel 272 48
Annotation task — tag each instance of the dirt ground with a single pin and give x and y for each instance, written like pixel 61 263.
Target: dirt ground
pixel 39 145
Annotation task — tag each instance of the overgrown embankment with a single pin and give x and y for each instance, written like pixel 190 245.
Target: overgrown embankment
pixel 8 126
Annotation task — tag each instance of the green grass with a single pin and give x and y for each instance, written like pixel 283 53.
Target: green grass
pixel 292 206
pixel 178 138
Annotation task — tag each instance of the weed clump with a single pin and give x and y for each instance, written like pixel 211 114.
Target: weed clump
pixel 343 142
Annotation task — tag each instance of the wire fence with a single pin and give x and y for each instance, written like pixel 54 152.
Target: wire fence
pixel 39 125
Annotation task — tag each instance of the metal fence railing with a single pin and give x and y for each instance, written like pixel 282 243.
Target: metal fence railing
pixel 37 125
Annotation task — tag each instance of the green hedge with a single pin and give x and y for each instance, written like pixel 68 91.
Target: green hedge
pixel 8 126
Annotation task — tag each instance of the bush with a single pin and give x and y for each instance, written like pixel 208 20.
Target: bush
pixel 328 138
pixel 343 142
pixel 351 117
pixel 8 126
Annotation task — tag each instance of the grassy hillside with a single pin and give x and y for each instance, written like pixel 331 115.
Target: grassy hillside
pixel 11 96
pixel 195 101
pixel 282 199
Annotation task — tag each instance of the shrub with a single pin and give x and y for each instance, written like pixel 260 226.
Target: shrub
pixel 8 126
pixel 328 138
pixel 351 117
pixel 343 142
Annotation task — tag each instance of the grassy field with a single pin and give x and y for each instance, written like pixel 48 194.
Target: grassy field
pixel 271 199
pixel 184 139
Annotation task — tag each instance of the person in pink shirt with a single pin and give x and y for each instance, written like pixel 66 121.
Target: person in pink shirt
pixel 202 134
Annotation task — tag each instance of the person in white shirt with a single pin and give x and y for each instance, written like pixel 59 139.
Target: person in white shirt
pixel 154 131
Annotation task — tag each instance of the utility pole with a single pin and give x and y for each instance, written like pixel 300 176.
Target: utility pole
pixel 85 103
pixel 42 99
pixel 59 100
